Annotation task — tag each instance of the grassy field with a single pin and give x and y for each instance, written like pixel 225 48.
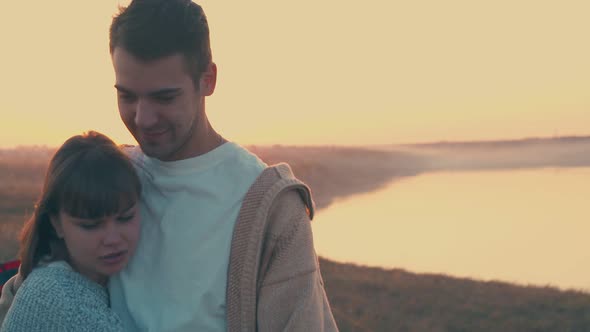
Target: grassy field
pixel 367 298
pixel 374 299
pixel 21 177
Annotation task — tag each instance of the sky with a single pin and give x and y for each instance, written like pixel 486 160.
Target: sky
pixel 319 72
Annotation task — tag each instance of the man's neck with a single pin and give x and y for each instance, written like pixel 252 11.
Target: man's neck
pixel 205 140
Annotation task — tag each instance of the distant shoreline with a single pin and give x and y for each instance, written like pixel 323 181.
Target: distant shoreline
pixel 385 146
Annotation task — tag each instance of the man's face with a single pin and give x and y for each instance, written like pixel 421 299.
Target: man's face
pixel 159 103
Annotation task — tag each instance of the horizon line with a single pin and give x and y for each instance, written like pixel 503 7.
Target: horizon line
pixel 425 143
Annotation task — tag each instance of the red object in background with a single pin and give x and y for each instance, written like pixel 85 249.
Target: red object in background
pixel 7 270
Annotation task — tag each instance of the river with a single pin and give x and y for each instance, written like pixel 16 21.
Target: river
pixel 528 226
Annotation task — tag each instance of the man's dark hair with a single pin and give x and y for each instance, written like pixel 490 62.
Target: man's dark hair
pixel 152 29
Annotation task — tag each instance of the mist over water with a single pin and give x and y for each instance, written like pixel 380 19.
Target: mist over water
pixel 528 226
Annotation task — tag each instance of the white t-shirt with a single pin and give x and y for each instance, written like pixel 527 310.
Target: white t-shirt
pixel 177 279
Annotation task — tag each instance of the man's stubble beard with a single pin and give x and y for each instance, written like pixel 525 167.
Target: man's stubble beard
pixel 189 137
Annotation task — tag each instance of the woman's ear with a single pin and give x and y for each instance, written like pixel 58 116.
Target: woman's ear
pixel 56 223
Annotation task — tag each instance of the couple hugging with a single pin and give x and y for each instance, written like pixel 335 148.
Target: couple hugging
pixel 186 231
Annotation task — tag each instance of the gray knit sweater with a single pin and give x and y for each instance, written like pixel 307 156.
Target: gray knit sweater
pixel 56 298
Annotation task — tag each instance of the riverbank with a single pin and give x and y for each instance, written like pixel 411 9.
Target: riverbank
pixel 375 299
pixel 337 172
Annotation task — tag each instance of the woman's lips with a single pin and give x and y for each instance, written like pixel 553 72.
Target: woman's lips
pixel 114 258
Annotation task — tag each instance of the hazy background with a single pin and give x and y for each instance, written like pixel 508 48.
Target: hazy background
pixel 510 213
pixel 320 72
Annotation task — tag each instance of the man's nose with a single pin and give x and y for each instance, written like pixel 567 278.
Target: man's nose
pixel 145 114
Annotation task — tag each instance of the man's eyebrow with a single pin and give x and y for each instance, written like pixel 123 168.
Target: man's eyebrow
pixel 161 92
pixel 122 89
pixel 165 91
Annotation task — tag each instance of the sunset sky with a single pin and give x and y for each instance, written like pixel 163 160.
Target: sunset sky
pixel 319 72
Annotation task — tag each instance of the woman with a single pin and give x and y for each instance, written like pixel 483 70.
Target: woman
pixel 84 228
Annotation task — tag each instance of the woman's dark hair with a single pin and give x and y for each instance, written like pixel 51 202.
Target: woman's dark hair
pixel 90 177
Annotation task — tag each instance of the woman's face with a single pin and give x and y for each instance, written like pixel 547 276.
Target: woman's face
pixel 99 248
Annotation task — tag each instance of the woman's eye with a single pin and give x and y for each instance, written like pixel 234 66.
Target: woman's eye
pixel 125 218
pixel 89 226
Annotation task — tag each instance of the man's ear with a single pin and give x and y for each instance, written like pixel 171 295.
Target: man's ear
pixel 208 80
pixel 56 223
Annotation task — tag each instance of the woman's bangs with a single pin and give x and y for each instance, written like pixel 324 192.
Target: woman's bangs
pixel 95 192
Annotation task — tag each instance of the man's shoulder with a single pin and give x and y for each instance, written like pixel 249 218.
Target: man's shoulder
pixel 244 158
pixel 239 167
pixel 279 183
pixel 279 175
pixel 132 151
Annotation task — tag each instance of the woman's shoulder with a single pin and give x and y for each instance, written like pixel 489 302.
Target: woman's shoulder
pixel 55 295
pixel 45 272
pixel 59 278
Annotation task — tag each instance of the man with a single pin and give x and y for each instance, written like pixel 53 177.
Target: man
pixel 226 242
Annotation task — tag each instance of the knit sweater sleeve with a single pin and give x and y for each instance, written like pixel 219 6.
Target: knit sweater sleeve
pixel 55 299
pixel 292 296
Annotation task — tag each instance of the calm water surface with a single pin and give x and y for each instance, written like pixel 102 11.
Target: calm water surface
pixel 523 226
